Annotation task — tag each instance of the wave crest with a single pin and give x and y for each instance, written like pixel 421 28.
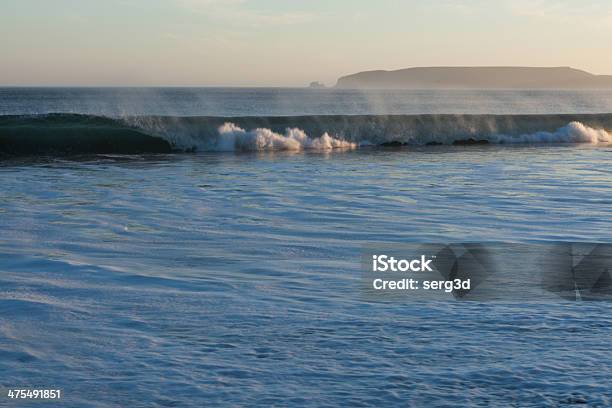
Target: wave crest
pixel 323 132
pixel 573 132
pixel 73 133
pixel 234 138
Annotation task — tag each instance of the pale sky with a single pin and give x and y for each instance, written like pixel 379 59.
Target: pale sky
pixel 288 43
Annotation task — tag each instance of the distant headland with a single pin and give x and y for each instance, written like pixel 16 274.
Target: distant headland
pixel 477 78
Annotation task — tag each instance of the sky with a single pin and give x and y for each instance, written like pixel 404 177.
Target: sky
pixel 288 42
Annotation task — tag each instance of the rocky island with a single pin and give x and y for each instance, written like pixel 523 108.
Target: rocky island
pixel 477 78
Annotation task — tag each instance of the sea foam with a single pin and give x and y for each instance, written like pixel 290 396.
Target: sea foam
pixel 235 138
pixel 573 132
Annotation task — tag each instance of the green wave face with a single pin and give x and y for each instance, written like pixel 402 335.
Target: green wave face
pixel 74 134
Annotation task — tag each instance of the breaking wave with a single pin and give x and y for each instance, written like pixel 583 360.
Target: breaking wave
pixel 573 132
pixel 234 138
pixel 74 133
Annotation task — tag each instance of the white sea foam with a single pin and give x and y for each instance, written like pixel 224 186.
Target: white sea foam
pixel 235 138
pixel 573 132
pixel 325 133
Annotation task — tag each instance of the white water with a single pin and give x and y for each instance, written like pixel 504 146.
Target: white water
pixel 231 137
pixel 234 138
pixel 574 132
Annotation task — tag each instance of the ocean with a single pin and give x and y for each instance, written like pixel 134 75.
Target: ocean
pixel 197 247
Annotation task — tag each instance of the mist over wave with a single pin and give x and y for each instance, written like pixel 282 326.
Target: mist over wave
pixel 75 133
pixel 323 132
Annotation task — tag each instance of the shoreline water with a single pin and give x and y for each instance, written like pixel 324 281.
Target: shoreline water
pixel 234 278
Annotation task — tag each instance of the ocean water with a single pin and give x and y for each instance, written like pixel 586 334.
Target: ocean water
pixel 226 270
